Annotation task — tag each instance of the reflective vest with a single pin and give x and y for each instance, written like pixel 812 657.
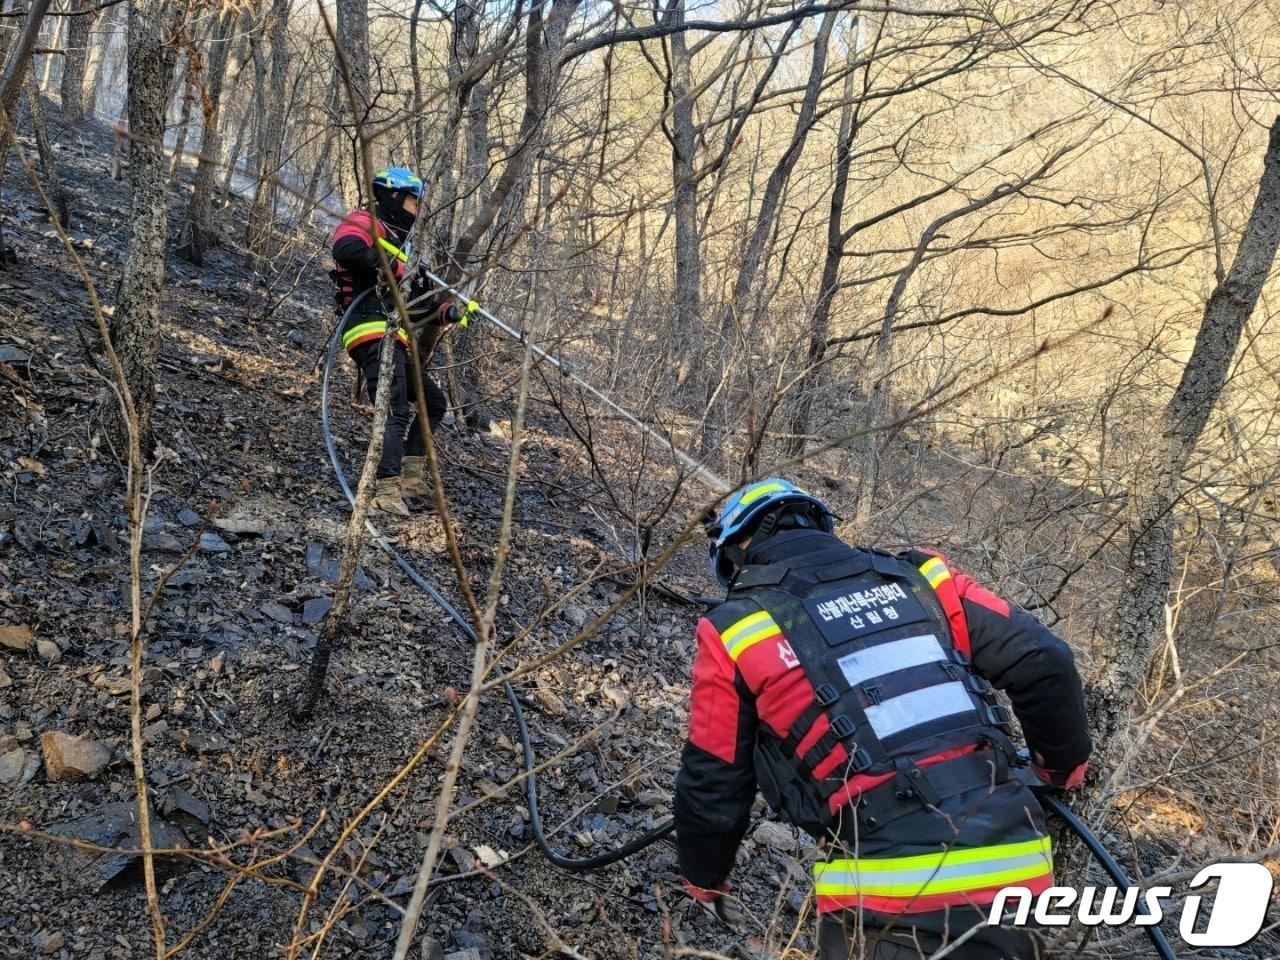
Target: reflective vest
pixel 367 324
pixel 876 731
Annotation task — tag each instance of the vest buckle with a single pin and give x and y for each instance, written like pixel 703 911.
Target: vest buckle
pixel 978 685
pixel 826 695
pixel 996 715
pixel 842 727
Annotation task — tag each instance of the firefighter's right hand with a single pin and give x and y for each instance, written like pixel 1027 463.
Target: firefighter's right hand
pixel 715 901
pixel 1062 779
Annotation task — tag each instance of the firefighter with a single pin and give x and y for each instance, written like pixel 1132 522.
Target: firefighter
pixel 855 689
pixel 396 192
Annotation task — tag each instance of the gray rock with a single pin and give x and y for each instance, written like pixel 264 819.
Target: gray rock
pixel 212 543
pixel 313 610
pixel 187 812
pixel 47 943
pixel 324 566
pixel 241 526
pixel 13 355
pixel 162 543
pixel 188 517
pixel 115 825
pixel 780 837
pixel 67 757
pixel 575 615
pixel 277 612
pixel 49 651
pixel 12 764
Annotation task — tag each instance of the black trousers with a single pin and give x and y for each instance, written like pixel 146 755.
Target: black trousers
pixel 850 935
pixel 403 437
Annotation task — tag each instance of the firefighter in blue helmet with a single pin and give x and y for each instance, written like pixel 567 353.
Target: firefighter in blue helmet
pixel 855 690
pixel 397 192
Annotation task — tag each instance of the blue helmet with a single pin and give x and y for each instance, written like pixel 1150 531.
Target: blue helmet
pixel 398 178
pixel 748 505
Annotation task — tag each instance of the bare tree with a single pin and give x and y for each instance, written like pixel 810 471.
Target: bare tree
pixel 19 56
pixel 270 138
pixel 135 326
pixel 353 51
pixel 1157 484
pixel 48 162
pixel 201 232
pixel 749 261
pixel 75 60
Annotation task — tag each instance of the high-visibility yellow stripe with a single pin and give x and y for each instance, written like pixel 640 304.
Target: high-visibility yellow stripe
pixel 747 632
pixel 757 492
pixel 366 328
pixel 955 855
pixel 935 571
pixel 975 881
pixel 949 871
pixel 392 249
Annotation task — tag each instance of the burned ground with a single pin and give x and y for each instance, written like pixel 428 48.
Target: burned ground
pixel 238 416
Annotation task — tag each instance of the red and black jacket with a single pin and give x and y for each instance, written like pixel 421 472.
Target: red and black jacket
pixel 356 269
pixel 757 719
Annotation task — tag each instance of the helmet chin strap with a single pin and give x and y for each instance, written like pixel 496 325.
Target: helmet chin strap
pixel 391 211
pixel 774 522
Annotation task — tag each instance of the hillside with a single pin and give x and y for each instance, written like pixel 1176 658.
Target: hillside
pixel 238 418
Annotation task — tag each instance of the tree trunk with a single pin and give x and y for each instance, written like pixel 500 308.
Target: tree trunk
pixel 48 163
pixel 752 254
pixel 544 41
pixel 353 40
pixel 184 117
pixel 811 379
pixel 321 172
pixel 200 214
pixel 232 160
pixel 271 136
pixel 19 59
pixel 684 146
pixel 55 32
pixel 117 67
pixel 1157 484
pixel 135 326
pixel 97 54
pixel 75 63
pixel 14 68
pixel 9 27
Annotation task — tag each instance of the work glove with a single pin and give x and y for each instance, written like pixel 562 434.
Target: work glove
pixel 714 900
pixel 1062 779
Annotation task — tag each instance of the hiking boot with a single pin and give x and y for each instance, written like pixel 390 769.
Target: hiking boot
pixel 413 480
pixel 387 499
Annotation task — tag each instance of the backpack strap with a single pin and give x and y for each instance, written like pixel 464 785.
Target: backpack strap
pixel 934 569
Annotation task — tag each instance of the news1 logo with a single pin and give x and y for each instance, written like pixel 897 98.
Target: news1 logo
pixel 1236 916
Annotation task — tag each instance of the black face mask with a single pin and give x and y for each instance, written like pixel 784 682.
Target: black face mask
pixel 391 211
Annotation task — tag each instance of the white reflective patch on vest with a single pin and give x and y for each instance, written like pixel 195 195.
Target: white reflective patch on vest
pixel 919 706
pixel 863 665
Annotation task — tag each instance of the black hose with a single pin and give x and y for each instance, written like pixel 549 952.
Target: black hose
pixel 1107 862
pixel 531 782
pixel 535 820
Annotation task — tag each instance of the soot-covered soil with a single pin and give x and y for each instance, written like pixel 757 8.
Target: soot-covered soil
pixel 238 412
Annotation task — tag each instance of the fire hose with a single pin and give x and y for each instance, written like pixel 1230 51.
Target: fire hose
pixel 531 783
pixel 631 847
